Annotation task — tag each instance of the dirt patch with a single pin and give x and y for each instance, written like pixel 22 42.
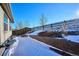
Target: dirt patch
pixel 62 44
pixel 24 35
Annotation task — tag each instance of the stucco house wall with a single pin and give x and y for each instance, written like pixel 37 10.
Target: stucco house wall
pixel 1 25
pixel 4 35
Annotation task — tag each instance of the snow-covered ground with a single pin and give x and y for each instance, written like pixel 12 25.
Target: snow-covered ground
pixel 13 47
pixel 36 32
pixel 74 38
pixel 28 46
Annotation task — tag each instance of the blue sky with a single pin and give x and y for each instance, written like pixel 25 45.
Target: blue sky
pixel 30 13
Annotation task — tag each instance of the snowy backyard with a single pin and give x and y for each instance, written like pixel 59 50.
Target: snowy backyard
pixel 37 30
pixel 28 46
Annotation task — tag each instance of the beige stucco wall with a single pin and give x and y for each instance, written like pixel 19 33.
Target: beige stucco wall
pixel 1 25
pixel 7 34
pixel 4 35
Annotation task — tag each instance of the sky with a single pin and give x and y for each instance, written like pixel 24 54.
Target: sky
pixel 30 13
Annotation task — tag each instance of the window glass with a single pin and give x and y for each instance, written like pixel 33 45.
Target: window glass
pixel 5 18
pixel 10 26
pixel 5 23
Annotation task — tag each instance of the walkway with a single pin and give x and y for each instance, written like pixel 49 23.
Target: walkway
pixel 31 47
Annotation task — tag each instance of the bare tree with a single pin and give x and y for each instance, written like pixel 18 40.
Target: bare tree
pixel 64 27
pixel 22 24
pixel 19 25
pixel 43 21
pixel 75 24
pixel 50 28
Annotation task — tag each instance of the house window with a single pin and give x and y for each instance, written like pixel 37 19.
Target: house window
pixel 10 26
pixel 5 23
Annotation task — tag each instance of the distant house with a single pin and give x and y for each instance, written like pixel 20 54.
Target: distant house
pixel 6 20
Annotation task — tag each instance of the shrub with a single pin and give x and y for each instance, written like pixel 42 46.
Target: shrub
pixel 21 31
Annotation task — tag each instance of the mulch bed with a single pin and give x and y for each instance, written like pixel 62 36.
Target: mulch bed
pixel 62 44
pixel 24 35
